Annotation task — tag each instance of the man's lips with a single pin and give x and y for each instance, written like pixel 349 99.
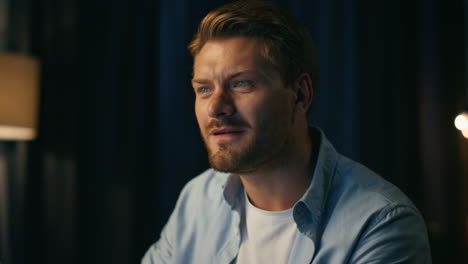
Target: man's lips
pixel 226 131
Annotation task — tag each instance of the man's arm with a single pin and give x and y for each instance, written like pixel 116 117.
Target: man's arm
pixel 161 251
pixel 396 235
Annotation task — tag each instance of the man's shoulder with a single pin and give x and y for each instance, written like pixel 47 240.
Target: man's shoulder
pixel 366 212
pixel 362 200
pixel 352 184
pixel 361 185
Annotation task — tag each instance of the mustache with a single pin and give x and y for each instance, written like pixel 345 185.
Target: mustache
pixel 227 122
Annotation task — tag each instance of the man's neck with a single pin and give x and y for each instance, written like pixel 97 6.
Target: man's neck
pixel 280 187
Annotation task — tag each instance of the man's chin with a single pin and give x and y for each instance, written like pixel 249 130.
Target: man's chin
pixel 222 164
pixel 226 163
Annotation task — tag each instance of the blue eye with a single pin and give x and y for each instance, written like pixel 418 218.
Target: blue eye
pixel 244 83
pixel 204 90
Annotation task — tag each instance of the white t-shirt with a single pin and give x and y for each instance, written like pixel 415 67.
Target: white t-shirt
pixel 267 237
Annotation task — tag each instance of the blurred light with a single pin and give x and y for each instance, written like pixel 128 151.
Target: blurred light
pixel 461 121
pixel 17 133
pixel 19 92
pixel 465 132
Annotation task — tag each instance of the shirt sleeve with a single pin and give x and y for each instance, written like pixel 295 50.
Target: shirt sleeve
pixel 396 235
pixel 161 251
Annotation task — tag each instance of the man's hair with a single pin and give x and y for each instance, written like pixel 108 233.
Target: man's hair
pixel 285 43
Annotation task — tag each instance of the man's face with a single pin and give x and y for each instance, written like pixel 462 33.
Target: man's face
pixel 244 111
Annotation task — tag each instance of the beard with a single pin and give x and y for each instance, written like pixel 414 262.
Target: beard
pixel 261 148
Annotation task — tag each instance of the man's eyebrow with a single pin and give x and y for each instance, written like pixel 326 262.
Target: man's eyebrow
pixel 237 74
pixel 256 73
pixel 234 75
pixel 200 81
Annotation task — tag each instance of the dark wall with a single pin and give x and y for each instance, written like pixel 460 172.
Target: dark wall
pixel 118 137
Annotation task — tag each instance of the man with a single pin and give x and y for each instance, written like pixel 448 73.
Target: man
pixel 277 192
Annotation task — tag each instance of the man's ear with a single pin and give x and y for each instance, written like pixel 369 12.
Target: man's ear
pixel 304 93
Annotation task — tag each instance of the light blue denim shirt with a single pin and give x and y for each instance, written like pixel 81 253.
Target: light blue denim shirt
pixel 347 215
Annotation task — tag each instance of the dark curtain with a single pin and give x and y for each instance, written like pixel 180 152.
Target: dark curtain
pixel 118 137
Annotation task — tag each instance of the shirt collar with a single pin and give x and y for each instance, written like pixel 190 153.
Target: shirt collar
pixel 309 210
pixel 233 190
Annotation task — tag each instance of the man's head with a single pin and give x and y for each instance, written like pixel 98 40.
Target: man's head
pixel 253 85
pixel 285 43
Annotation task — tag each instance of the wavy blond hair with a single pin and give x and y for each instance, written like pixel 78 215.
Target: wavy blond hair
pixel 285 43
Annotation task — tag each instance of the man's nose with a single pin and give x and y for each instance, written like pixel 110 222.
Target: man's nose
pixel 221 105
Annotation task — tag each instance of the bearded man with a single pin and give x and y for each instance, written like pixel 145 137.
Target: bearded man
pixel 277 192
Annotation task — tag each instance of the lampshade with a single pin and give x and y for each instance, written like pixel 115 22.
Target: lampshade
pixel 19 92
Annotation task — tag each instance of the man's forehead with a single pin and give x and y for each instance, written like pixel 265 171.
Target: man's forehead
pixel 235 49
pixel 229 56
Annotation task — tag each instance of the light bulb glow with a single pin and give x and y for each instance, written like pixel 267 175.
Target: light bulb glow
pixel 461 121
pixel 465 132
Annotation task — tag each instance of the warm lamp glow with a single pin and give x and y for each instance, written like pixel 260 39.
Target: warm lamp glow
pixel 19 92
pixel 461 121
pixel 17 133
pixel 465 132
